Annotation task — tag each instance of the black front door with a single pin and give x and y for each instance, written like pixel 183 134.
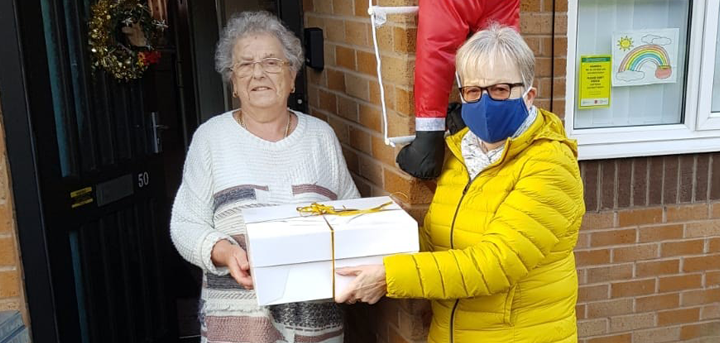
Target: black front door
pixel 106 156
pixel 95 163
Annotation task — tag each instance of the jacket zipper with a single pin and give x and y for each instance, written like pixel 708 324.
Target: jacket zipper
pixel 452 246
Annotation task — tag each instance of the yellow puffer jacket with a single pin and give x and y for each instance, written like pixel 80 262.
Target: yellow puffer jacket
pixel 499 265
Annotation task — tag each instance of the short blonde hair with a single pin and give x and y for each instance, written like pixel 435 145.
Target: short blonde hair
pixel 496 42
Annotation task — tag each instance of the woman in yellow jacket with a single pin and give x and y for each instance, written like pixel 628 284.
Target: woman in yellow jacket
pixel 498 239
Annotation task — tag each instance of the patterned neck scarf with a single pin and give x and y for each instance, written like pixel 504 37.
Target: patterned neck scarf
pixel 476 160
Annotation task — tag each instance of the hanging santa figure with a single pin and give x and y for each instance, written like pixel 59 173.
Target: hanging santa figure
pixel 443 25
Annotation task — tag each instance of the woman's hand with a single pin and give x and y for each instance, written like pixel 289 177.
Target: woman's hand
pixel 368 286
pixel 226 254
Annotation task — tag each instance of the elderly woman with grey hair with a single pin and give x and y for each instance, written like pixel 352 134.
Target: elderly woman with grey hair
pixel 259 154
pixel 498 238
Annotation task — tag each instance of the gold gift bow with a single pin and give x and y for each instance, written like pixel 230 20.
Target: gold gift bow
pixel 317 209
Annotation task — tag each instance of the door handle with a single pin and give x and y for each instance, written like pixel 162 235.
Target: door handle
pixel 157 130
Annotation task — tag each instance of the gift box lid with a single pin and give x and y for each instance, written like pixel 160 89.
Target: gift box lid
pixel 279 235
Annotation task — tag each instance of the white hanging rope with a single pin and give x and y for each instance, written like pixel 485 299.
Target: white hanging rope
pixel 378 17
pixel 382 12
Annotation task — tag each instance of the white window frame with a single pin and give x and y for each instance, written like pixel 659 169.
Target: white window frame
pixel 700 131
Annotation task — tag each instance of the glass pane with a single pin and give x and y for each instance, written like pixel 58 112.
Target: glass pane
pixel 716 78
pixel 628 30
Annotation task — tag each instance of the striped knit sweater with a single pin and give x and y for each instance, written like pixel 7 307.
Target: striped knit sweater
pixel 227 169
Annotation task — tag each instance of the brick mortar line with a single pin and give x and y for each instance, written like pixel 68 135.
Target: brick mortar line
pixel 355 124
pixel 654 328
pixel 370 50
pixel 361 19
pixel 360 101
pixel 8 268
pixel 357 73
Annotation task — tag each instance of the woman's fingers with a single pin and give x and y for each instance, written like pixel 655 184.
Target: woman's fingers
pixel 241 256
pixel 239 268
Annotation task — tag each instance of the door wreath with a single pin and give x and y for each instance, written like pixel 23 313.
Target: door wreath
pixel 122 38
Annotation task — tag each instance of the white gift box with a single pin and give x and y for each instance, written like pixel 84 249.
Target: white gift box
pixel 291 255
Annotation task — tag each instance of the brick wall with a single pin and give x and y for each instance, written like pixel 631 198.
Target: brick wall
pixel 649 251
pixel 648 254
pixel 12 296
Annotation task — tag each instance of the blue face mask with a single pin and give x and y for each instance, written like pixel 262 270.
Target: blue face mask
pixel 495 120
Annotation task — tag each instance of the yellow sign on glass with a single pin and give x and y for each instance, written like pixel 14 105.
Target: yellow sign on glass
pixel 594 81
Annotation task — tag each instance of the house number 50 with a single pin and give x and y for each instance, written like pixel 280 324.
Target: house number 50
pixel 143 179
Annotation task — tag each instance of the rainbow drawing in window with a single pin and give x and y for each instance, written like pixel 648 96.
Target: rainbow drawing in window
pixel 644 57
pixel 649 53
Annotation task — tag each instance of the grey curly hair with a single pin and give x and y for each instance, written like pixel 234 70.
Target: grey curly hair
pixel 246 23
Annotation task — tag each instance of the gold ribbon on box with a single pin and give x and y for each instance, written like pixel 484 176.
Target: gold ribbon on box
pixel 317 209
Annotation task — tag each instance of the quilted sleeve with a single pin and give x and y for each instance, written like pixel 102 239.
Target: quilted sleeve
pixel 542 208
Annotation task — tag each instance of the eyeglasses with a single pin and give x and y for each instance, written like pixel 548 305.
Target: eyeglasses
pixel 500 91
pixel 269 65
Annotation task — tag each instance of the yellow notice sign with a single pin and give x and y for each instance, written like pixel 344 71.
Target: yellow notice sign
pixel 81 197
pixel 594 81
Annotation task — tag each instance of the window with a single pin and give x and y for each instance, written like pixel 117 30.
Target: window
pixel 643 77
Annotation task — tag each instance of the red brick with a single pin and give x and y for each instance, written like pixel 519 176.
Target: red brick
pixel 580 311
pixel 405 40
pixel 615 237
pixel 660 233
pixel 708 262
pixel 345 57
pixel 366 63
pixel 9 284
pixel 535 23
pixel 659 335
pixel 686 315
pixel 700 297
pixel 635 253
pixel 383 152
pixel 632 322
pixel 657 302
pixel 370 117
pixel 328 101
pixel 530 6
pixel 714 245
pixel 700 330
pixel 609 308
pixel 624 338
pixel 583 241
pixel 633 288
pixel 601 220
pixel 595 327
pixel 592 293
pixel 682 248
pixel 616 272
pixel 685 213
pixel 712 279
pixel 336 80
pixel 655 268
pixel 7 251
pixel 702 229
pixel 592 257
pixel 640 217
pixel 710 312
pixel 681 282
pixel 419 192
